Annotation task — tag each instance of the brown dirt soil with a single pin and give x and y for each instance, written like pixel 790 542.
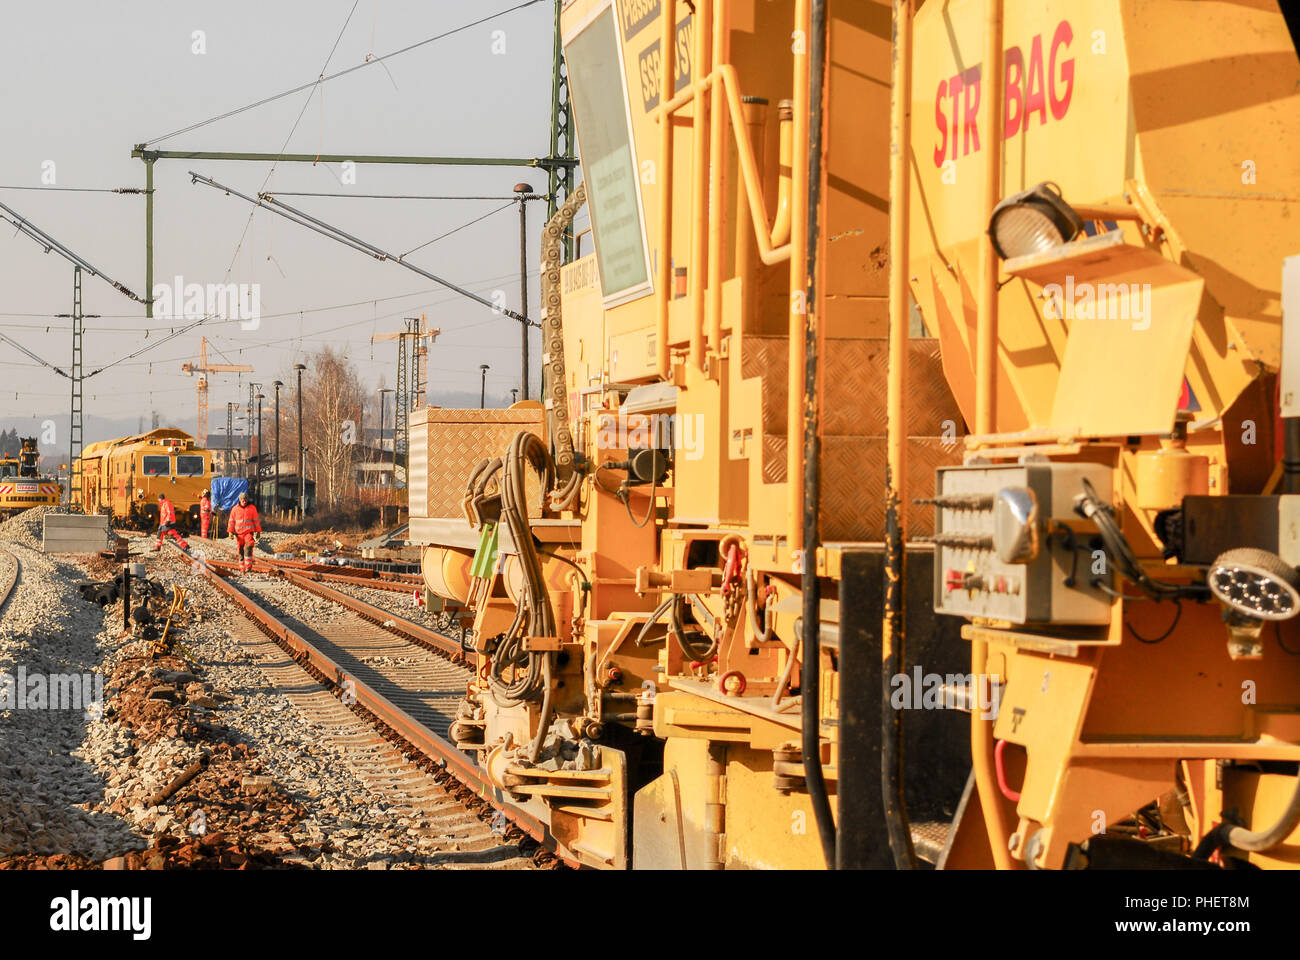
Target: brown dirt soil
pixel 322 540
pixel 248 817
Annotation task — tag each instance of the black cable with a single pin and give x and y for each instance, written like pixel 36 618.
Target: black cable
pixel 1277 632
pixel 650 509
pixel 584 583
pixel 654 618
pixel 810 673
pixel 1178 615
pixel 1117 547
pixel 687 645
pixel 1068 542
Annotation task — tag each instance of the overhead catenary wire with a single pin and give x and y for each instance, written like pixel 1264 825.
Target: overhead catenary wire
pixel 120 190
pixel 301 218
pixel 322 79
pixel 31 231
pixel 239 245
pixel 21 349
pixel 454 230
pixel 151 346
pixel 266 316
pixel 379 196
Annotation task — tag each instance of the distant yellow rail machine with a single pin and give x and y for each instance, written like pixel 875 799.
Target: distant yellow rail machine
pixel 122 478
pixel 701 642
pixel 22 486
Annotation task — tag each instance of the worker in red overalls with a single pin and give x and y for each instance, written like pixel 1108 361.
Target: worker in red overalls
pixel 245 524
pixel 205 514
pixel 167 523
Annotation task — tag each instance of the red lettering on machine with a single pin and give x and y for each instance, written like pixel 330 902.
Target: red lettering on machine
pixel 1029 91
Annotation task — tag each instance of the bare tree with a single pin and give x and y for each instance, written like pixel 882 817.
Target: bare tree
pixel 334 403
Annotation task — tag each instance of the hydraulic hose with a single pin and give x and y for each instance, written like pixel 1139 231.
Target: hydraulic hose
pixel 1254 841
pixel 533 616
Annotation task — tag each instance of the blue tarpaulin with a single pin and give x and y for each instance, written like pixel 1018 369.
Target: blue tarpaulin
pixel 226 491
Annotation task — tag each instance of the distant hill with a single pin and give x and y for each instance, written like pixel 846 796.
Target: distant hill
pixel 106 428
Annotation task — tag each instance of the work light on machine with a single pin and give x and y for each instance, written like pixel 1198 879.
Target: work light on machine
pixel 1033 221
pixel 1255 584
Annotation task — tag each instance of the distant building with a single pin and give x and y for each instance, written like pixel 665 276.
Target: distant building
pixel 264 494
pixel 373 469
pixel 228 463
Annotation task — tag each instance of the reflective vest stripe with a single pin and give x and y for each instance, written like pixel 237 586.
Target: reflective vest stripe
pixel 245 519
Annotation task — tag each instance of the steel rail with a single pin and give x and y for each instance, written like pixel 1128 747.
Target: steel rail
pixel 7 586
pixel 407 629
pixel 355 576
pixel 332 571
pixel 386 619
pixel 420 737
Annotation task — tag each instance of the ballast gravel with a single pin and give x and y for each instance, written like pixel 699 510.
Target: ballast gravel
pixel 80 782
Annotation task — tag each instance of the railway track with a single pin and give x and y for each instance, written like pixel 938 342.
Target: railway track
pixel 401 676
pixel 8 578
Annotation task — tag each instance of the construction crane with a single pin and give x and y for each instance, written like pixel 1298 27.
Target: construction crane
pixel 412 380
pixel 203 368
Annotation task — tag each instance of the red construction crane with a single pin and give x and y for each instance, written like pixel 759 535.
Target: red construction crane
pixel 203 368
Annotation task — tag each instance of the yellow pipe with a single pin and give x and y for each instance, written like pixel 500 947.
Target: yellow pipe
pixel 748 165
pixel 781 227
pixel 746 243
pixel 699 184
pixel 986 339
pixel 717 179
pixel 1103 211
pixel 798 281
pixel 986 330
pixel 664 278
pixel 981 748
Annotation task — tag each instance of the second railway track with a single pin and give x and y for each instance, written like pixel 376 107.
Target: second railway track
pixel 403 677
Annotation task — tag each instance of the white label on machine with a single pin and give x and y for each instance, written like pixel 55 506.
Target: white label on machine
pixel 1290 389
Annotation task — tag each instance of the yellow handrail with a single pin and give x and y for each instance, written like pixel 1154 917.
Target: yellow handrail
pixel 772 248
pixel 665 178
pixel 700 175
pixel 717 178
pixel 775 242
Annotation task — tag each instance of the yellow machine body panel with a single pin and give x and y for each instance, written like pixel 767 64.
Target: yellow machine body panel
pixel 635 594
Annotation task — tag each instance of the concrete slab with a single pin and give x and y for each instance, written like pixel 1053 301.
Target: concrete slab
pixel 76 533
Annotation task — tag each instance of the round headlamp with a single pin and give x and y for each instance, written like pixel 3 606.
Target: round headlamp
pixel 1033 221
pixel 1256 584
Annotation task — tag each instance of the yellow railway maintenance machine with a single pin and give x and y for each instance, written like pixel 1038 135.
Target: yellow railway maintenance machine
pixel 1062 638
pixel 1103 196
pixel 122 478
pixel 639 595
pixel 22 486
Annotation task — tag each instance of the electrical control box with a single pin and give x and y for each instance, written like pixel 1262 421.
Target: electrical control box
pixel 999 552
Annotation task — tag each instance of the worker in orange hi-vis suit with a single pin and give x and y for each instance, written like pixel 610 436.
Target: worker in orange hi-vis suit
pixel 245 524
pixel 205 514
pixel 167 523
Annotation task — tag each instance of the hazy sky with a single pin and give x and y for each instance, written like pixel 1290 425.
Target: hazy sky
pixel 85 80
